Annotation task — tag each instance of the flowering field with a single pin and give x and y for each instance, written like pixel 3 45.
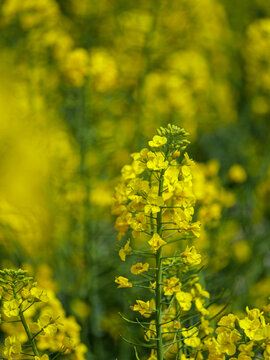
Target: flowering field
pixel 135 179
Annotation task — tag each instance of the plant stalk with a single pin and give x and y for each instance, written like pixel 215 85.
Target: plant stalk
pixel 29 335
pixel 159 280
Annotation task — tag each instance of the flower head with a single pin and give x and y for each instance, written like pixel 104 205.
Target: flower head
pixel 122 282
pixel 157 141
pixel 139 268
pixel 156 242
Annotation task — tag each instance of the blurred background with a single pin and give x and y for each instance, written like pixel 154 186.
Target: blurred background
pixel 86 83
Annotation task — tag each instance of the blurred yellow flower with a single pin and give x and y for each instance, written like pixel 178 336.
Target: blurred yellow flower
pixel 11 308
pixel 237 174
pixel 12 347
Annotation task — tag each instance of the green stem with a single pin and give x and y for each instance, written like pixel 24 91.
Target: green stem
pixel 29 335
pixel 159 280
pixel 26 328
pixel 158 304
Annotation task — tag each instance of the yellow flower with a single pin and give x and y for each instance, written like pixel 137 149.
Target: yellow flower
pixel 199 305
pixel 171 285
pixel 157 141
pixel 252 328
pixel 188 161
pixel 205 326
pixel 156 161
pixel 46 323
pixel 184 299
pixel 128 172
pixel 68 344
pixel 151 332
pixel 191 256
pixel 246 350
pixel 12 347
pixel 237 173
pixel 156 242
pixel 123 282
pixel 76 66
pixel 228 321
pixel 43 357
pixel 143 307
pixel 153 204
pixel 201 291
pixel 139 268
pixel 190 337
pixel 138 223
pixel 195 228
pixel 226 342
pixel 171 177
pixel 39 294
pixel 11 308
pixel 123 252
pixel 186 173
pixel 25 293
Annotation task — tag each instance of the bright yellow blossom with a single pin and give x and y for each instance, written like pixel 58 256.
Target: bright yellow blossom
pixel 195 228
pixel 191 257
pixel 228 321
pixel 153 204
pixel 201 291
pixel 11 308
pixel 227 340
pixel 157 141
pixel 123 252
pixel 190 337
pixel 184 299
pixel 171 285
pixel 156 161
pixel 123 282
pixel 156 242
pixel 246 350
pixel 139 268
pixel 199 303
pixel 143 307
pixel 171 178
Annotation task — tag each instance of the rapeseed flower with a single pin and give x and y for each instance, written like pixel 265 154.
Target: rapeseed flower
pixel 122 282
pixel 156 242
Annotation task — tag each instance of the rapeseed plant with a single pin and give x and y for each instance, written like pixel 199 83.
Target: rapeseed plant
pixel 154 204
pixel 34 321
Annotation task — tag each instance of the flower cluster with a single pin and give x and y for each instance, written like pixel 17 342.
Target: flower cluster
pixel 154 204
pixel 34 321
pixel 240 338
